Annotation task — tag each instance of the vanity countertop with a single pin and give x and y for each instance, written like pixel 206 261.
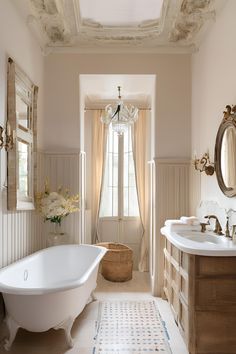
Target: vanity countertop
pixel 198 243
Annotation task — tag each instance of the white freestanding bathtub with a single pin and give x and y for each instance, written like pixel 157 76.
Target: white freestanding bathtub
pixel 49 288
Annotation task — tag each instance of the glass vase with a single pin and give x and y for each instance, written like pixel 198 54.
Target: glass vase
pixel 57 236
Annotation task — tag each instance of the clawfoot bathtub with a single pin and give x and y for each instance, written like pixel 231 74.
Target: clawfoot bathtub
pixel 49 288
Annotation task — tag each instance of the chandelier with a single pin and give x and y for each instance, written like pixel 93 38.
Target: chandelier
pixel 120 116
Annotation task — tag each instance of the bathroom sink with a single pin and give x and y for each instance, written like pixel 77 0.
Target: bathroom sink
pixel 200 237
pixel 201 243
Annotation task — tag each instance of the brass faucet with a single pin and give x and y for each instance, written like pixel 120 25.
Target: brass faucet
pixel 218 228
pixel 204 225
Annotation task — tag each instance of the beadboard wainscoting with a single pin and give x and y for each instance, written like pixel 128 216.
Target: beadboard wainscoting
pixel 20 231
pixel 24 232
pixel 172 202
pixel 63 169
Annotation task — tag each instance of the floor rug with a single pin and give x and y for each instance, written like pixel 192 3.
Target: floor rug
pixel 130 327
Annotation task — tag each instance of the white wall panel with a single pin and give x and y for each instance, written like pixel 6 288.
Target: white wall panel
pixel 62 169
pixel 24 232
pixel 20 231
pixel 172 202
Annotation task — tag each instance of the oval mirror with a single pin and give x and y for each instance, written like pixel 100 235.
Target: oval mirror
pixel 225 153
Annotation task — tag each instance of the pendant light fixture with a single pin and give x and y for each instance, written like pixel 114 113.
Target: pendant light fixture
pixel 119 115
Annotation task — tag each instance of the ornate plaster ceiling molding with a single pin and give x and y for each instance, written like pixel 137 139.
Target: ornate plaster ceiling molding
pixel 191 18
pixel 59 26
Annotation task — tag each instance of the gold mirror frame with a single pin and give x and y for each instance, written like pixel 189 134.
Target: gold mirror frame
pixel 229 120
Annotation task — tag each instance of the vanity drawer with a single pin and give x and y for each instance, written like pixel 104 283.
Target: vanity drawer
pixel 184 262
pixel 167 245
pixel 175 278
pixel 167 264
pixel 184 288
pixel 175 253
pixel 209 266
pixel 216 292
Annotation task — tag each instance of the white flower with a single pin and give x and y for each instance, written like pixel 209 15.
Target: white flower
pixel 56 205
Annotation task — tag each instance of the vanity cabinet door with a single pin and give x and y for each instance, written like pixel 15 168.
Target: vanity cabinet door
pixel 184 287
pixel 183 320
pixel 174 304
pixel 215 332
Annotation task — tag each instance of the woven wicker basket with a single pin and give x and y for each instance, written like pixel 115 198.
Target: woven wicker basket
pixel 117 264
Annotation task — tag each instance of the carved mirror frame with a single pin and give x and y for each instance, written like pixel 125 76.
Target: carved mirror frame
pixel 21 127
pixel 229 120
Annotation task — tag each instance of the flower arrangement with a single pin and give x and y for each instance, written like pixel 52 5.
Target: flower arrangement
pixel 54 206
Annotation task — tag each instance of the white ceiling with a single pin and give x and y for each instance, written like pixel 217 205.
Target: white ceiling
pixel 98 90
pixel 125 25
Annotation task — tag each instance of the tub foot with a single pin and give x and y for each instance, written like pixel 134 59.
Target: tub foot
pixel 67 325
pixel 13 328
pixel 92 298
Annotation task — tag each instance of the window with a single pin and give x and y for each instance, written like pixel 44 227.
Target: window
pixel 119 193
pixel 21 123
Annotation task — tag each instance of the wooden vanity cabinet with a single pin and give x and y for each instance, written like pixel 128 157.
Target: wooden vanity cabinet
pixel 201 291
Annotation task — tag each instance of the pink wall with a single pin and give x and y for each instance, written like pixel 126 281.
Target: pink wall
pixel 173 96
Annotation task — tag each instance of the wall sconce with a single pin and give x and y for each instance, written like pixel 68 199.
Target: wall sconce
pixel 6 138
pixel 204 164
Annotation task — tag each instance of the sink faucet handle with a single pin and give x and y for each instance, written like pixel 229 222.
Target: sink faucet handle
pixel 227 233
pixel 233 235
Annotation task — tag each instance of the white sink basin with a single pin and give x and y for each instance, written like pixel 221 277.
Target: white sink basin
pixel 201 243
pixel 200 237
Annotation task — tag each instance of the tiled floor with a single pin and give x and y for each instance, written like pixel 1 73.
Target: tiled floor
pixel 53 342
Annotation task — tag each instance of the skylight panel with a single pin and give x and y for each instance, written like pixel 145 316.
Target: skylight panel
pixel 120 13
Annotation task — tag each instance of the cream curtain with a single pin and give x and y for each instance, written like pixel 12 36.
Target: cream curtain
pixel 98 152
pixel 139 151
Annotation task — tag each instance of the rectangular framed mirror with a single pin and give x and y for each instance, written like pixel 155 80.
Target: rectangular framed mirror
pixel 21 128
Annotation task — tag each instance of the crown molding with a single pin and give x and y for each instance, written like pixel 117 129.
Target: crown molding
pixel 122 50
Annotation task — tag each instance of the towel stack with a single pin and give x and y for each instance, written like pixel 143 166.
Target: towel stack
pixel 184 223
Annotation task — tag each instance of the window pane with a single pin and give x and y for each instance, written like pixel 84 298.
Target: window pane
pixel 126 170
pixel 109 199
pixel 110 191
pixel 130 192
pixel 23 172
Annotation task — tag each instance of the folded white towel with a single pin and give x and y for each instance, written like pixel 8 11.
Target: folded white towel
pixel 174 222
pixel 177 225
pixel 183 227
pixel 190 220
